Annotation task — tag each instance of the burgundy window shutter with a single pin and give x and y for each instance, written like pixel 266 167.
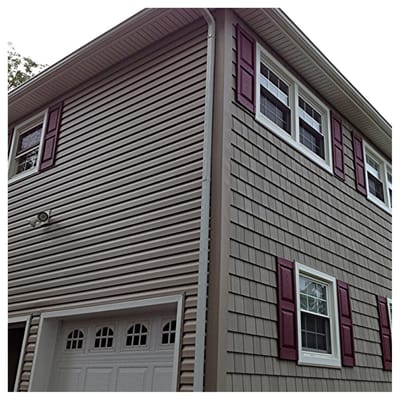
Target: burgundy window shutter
pixel 337 145
pixel 359 166
pixel 345 324
pixel 245 69
pixel 51 136
pixel 386 335
pixel 10 137
pixel 287 310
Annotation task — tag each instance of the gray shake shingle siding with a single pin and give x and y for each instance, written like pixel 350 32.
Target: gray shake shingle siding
pixel 284 205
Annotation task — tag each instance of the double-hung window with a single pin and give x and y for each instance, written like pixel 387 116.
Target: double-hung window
pixel 317 318
pixel 274 98
pixel 291 111
pixel 379 178
pixel 26 147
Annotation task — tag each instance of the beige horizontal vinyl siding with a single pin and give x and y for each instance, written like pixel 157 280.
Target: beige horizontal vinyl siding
pixel 124 194
pixel 284 205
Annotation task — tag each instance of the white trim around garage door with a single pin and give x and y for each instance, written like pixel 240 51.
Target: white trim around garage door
pixel 47 335
pixel 16 320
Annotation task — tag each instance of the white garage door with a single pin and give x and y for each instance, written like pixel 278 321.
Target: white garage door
pixel 115 354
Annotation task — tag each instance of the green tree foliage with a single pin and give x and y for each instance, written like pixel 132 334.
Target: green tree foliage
pixel 20 68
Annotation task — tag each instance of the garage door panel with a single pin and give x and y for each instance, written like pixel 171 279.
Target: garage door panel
pixel 68 379
pixel 131 379
pixel 98 379
pixel 161 381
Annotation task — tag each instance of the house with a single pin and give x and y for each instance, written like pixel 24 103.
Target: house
pixel 198 201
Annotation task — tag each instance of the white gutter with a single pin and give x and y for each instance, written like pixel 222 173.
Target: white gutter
pixel 199 350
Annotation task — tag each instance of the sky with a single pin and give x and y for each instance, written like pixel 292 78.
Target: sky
pixel 357 40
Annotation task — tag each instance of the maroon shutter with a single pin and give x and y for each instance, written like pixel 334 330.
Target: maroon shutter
pixel 386 335
pixel 245 69
pixel 10 137
pixel 287 312
pixel 345 324
pixel 359 163
pixel 337 145
pixel 51 136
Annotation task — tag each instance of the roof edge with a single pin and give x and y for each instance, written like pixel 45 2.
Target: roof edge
pixel 83 51
pixel 283 21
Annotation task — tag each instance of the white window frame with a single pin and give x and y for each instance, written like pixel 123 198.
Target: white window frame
pixel 20 129
pixel 296 89
pixel 384 165
pixel 307 357
pixel 389 306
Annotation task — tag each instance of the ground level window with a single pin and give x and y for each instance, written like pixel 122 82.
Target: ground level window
pixel 317 318
pixel 315 323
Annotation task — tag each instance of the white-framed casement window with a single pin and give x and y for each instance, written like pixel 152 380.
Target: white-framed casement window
pixel 26 147
pixel 291 111
pixel 378 175
pixel 317 318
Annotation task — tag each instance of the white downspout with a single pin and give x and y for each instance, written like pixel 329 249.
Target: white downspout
pixel 199 351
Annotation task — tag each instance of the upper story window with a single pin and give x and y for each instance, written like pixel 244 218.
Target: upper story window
pixel 274 98
pixel 310 123
pixel 291 111
pixel 317 317
pixel 379 178
pixel 26 147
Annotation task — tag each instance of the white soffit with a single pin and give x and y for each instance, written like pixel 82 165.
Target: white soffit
pixel 122 41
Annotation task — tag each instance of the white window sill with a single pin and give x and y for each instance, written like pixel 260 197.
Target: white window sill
pixel 287 137
pixel 379 203
pixel 22 175
pixel 318 360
